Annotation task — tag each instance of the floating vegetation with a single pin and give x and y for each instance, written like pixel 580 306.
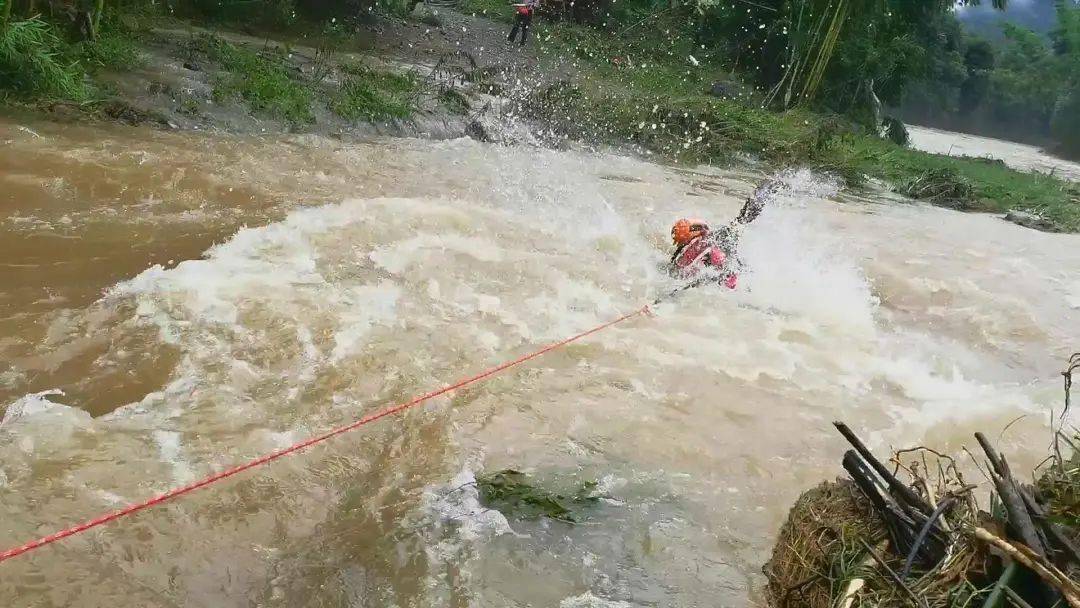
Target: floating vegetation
pixel 511 493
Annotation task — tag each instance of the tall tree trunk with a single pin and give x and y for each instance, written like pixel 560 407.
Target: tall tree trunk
pixel 811 46
pixel 825 52
pixel 5 13
pixel 84 19
pixel 99 8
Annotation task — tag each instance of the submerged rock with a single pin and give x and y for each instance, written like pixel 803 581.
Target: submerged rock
pixel 477 131
pixel 425 14
pixel 1031 220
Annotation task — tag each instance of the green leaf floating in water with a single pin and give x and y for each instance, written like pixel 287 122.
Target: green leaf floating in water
pixel 509 492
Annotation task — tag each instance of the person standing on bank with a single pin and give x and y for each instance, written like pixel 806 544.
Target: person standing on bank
pixel 525 12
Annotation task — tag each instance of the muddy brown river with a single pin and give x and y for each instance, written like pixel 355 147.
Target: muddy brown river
pixel 174 303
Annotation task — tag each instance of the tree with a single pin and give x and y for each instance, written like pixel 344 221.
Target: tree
pixel 979 60
pixel 979 55
pixel 1066 35
pixel 1028 79
pixel 1065 120
pixel 877 40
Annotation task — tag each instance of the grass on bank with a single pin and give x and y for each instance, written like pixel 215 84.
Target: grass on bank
pixel 658 94
pixel 371 95
pixel 262 79
pixel 116 46
pixel 269 84
pixel 496 10
pixel 36 62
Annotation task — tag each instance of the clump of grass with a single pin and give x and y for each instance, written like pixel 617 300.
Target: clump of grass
pixel 510 492
pixel 372 95
pixel 398 8
pixel 1060 486
pixel 111 49
pixel 430 17
pixel 499 10
pixel 821 535
pixel 189 107
pixel 116 44
pixel 263 80
pixel 35 62
pixel 454 100
pixel 942 186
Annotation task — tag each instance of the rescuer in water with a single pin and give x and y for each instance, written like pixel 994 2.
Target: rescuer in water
pixel 703 254
pixel 700 253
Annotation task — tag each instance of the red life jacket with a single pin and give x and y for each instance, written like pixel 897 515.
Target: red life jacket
pixel 698 254
pixel 524 10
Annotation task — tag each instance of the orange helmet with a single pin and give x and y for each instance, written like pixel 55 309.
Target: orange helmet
pixel 686 230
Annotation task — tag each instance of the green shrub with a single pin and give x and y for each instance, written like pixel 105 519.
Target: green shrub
pixel 35 62
pixel 454 100
pixel 398 8
pixel 1066 122
pixel 896 132
pixel 373 95
pixel 111 50
pixel 499 10
pixel 262 13
pixel 263 80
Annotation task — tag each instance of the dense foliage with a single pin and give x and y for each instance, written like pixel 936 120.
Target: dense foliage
pixel 859 57
pixel 1027 88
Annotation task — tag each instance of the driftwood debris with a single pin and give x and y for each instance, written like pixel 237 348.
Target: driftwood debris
pixel 1036 563
pixel 908 531
pixel 874 540
pixel 904 513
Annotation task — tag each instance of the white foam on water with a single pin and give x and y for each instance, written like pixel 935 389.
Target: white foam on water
pixel 170 451
pixel 457 505
pixel 36 411
pixel 588 600
pixel 29 405
pixel 35 427
pixel 455 527
pixel 797 265
pixel 363 308
pixel 1073 296
pixel 399 256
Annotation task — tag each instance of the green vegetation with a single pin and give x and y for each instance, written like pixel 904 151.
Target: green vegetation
pixel 263 80
pixel 511 493
pixel 114 47
pixel 371 95
pixel 454 100
pixel 657 88
pixel 1060 484
pixel 39 61
pixel 34 61
pixel 498 10
pixel 1025 88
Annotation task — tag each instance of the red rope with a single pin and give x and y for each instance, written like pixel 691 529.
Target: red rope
pixel 191 487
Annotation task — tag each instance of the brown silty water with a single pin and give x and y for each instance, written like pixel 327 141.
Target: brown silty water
pixel 174 303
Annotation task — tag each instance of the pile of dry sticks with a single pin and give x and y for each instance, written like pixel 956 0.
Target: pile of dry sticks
pixel 874 540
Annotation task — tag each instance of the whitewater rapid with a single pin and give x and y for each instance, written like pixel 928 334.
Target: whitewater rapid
pixel 174 304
